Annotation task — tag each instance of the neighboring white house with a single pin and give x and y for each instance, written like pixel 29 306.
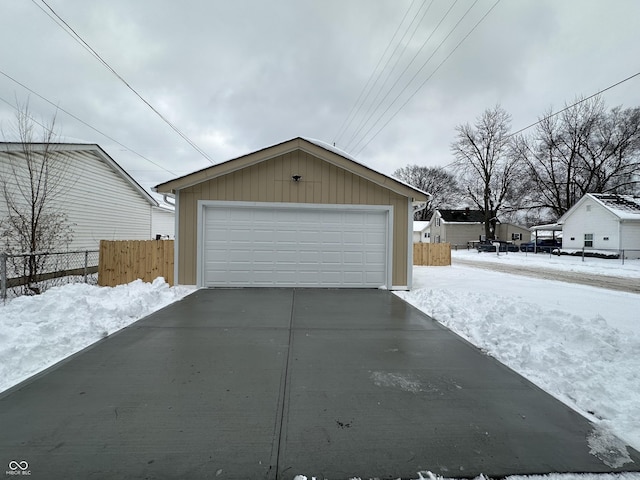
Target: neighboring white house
pixel 601 221
pixel 100 199
pixel 421 232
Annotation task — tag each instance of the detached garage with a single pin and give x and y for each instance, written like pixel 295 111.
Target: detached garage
pixel 297 214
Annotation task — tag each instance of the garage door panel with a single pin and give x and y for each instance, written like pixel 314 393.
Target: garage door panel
pixel 294 246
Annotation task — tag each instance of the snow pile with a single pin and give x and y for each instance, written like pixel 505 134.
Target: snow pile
pixel 583 360
pixel 38 331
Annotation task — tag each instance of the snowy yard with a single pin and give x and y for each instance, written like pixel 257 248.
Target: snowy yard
pixel 578 343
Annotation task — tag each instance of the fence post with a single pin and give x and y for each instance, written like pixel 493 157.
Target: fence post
pixel 86 264
pixel 622 256
pixel 3 276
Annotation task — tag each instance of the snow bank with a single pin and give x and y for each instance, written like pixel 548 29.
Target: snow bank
pixel 38 331
pixel 581 359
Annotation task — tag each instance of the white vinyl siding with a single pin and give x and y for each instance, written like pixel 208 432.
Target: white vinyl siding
pixel 102 206
pixel 99 203
pixel 597 221
pixel 630 240
pixel 163 222
pixel 285 246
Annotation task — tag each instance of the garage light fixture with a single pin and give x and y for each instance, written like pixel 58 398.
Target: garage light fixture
pixel 296 178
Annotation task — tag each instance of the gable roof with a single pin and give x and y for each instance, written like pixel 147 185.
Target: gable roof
pixel 316 148
pixel 461 216
pixel 624 207
pixel 419 225
pixel 70 148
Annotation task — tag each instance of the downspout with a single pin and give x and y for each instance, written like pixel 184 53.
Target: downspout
pixel 166 198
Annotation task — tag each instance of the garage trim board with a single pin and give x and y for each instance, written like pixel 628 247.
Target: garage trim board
pixel 268 244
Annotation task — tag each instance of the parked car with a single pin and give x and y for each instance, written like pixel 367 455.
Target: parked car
pixel 546 245
pixel 489 246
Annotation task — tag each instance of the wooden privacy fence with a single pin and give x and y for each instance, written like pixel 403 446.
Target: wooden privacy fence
pixel 124 261
pixel 432 254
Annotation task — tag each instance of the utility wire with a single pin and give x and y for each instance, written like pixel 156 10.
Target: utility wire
pixel 424 44
pixel 400 43
pixel 79 120
pixel 348 117
pixel 423 83
pixel 88 47
pixel 573 105
pixel 374 103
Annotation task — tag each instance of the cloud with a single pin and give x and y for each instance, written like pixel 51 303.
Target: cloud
pixel 238 76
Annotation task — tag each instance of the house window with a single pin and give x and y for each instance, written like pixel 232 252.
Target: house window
pixel 516 236
pixel 426 235
pixel 588 239
pixel 588 208
pixel 437 221
pixel 606 238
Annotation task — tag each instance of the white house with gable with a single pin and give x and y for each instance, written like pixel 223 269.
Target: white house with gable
pixel 101 200
pixel 600 221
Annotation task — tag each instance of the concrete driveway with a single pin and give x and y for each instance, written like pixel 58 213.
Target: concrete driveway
pixel 271 383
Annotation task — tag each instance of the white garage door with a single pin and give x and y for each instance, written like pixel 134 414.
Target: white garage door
pixel 289 246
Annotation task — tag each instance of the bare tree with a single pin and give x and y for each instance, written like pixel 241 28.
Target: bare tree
pixel 583 150
pixel 32 180
pixel 488 173
pixel 441 184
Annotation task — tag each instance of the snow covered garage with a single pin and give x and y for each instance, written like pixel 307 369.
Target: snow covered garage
pixel 297 214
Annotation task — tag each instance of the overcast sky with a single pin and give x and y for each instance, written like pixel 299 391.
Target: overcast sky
pixel 236 76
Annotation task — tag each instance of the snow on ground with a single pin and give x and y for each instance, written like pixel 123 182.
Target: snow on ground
pixel 578 343
pixel 594 266
pixel 38 331
pixel 553 476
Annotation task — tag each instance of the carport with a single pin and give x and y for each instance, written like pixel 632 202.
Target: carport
pixel 272 383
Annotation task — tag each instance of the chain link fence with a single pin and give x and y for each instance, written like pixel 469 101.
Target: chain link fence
pixel 34 273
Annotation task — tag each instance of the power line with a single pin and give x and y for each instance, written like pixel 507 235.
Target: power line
pixel 340 131
pixel 401 42
pixel 573 105
pixel 95 54
pixel 424 44
pixel 79 120
pixel 424 82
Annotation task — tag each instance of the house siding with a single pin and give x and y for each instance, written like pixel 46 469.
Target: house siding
pixel 459 234
pixel 104 207
pixel 504 232
pixel 630 239
pixel 598 221
pixel 99 203
pixel 270 181
pixel 163 222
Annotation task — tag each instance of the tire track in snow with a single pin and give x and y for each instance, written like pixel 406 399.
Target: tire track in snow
pixel 623 284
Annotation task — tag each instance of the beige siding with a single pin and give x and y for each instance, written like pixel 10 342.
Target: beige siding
pixel 504 232
pixel 270 181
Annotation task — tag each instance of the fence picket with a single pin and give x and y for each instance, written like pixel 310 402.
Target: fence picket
pixel 432 254
pixel 123 261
